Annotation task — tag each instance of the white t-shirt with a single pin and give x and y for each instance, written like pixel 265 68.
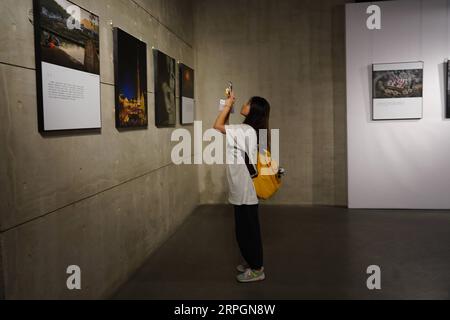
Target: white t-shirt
pixel 240 138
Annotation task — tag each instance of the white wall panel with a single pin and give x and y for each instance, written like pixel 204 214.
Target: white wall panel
pixel 399 164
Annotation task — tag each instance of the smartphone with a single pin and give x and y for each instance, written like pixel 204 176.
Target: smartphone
pixel 228 92
pixel 229 89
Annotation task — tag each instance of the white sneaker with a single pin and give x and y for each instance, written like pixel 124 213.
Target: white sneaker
pixel 251 276
pixel 243 267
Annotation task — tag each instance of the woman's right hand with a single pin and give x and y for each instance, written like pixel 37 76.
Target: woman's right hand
pixel 222 119
pixel 231 100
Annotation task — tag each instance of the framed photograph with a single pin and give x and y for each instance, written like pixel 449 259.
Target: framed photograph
pixel 165 97
pixel 67 66
pixel 130 66
pixel 397 91
pixel 187 103
pixel 447 77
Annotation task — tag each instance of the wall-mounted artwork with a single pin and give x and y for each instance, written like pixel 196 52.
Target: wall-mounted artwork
pixel 397 91
pixel 187 103
pixel 130 65
pixel 165 97
pixel 447 111
pixel 67 66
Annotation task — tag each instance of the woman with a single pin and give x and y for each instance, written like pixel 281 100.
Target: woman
pixel 242 145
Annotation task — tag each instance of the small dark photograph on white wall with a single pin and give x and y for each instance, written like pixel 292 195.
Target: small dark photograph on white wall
pixel 397 91
pixel 447 111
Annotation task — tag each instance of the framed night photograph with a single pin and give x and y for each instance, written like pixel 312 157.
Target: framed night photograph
pixel 397 91
pixel 165 97
pixel 187 103
pixel 130 66
pixel 67 66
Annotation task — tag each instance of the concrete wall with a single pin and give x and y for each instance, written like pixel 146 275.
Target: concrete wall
pixel 399 164
pixel 103 201
pixel 291 52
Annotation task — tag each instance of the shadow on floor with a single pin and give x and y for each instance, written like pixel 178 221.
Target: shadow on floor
pixel 310 253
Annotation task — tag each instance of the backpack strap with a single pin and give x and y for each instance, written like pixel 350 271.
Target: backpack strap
pixel 252 170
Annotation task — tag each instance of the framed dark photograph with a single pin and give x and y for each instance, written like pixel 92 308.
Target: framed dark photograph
pixel 165 97
pixel 397 91
pixel 67 54
pixel 130 66
pixel 447 77
pixel 187 103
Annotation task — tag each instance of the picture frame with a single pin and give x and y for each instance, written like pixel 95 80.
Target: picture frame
pixel 397 91
pixel 130 74
pixel 67 54
pixel 187 99
pixel 447 86
pixel 165 89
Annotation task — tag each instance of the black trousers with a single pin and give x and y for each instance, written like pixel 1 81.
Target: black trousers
pixel 248 235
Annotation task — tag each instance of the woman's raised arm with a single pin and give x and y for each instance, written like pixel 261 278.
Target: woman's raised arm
pixel 224 115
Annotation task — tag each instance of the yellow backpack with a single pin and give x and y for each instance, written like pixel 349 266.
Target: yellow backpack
pixel 268 181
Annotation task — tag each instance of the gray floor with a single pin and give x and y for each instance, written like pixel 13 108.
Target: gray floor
pixel 310 253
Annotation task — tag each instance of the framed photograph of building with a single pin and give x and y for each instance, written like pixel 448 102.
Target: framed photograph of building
pixel 397 91
pixel 187 103
pixel 67 66
pixel 165 97
pixel 130 66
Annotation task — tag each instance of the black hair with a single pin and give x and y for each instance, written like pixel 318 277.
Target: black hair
pixel 258 117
